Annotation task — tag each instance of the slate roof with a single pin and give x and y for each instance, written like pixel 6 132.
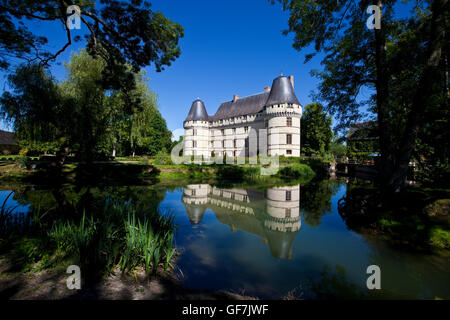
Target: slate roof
pixel 241 107
pixel 7 138
pixel 280 92
pixel 371 132
pixel 197 111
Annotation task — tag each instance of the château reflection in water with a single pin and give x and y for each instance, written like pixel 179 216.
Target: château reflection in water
pixel 272 214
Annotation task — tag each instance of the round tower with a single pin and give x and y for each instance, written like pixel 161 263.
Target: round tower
pixel 196 131
pixel 283 112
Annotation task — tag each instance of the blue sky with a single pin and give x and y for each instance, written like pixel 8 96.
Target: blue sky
pixel 230 47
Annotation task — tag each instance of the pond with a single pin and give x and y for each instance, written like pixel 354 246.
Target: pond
pixel 279 242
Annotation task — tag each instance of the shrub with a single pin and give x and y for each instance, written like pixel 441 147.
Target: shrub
pixel 162 157
pixel 297 171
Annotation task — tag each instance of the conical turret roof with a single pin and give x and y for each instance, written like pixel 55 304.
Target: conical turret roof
pixel 197 112
pixel 281 92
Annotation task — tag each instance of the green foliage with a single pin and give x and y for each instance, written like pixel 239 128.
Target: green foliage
pixel 400 68
pixel 296 171
pixel 81 113
pixel 162 157
pixel 146 246
pixel 338 150
pixel 119 31
pixel 316 130
pixel 440 238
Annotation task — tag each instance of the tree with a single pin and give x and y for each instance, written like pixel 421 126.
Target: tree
pixel 144 131
pixel 316 130
pixel 37 109
pixel 79 115
pixel 379 60
pixel 119 31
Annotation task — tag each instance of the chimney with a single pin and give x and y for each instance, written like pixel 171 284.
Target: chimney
pixel 291 79
pixel 235 98
pixel 266 89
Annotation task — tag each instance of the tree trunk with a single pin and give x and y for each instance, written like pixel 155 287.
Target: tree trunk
pixel 423 93
pixel 382 88
pixel 394 163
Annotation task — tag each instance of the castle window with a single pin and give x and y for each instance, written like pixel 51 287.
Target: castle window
pixel 288 212
pixel 290 105
pixel 288 151
pixel 234 130
pixel 194 144
pixel 234 153
pixel 266 123
pixel 222 131
pixel 246 129
pixel 235 143
pixel 289 139
pixel 246 143
pixel 223 143
pixel 289 121
pixel 288 195
pixel 194 132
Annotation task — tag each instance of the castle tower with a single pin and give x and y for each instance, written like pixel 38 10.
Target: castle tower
pixel 282 118
pixel 196 129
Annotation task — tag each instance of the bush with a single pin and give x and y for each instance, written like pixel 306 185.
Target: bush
pixel 24 162
pixel 297 171
pixel 162 157
pixel 440 238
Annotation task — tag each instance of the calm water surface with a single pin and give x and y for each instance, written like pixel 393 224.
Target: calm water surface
pixel 264 243
pixel 273 242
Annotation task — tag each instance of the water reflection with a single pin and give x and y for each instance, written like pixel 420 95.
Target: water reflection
pixel 272 214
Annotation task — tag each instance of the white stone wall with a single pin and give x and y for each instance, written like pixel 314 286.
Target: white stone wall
pixel 218 137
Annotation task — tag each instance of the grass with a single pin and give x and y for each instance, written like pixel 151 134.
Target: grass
pixel 115 235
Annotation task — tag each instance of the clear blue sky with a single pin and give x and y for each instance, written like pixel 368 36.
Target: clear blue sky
pixel 230 47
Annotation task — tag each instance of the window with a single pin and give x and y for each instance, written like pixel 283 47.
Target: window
pixel 194 144
pixel 246 129
pixel 289 121
pixel 245 198
pixel 223 143
pixel 234 153
pixel 288 151
pixel 222 131
pixel 266 123
pixel 246 143
pixel 193 192
pixel 288 195
pixel 288 212
pixel 289 139
pixel 234 130
pixel 194 132
pixel 235 143
pixel 290 105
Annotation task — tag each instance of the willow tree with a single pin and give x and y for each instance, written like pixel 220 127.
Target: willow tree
pixel 404 63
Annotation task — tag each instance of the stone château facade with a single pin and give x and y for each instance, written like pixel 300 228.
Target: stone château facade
pixel 264 123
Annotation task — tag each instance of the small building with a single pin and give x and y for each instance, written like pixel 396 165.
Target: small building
pixel 362 140
pixel 8 144
pixel 264 123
